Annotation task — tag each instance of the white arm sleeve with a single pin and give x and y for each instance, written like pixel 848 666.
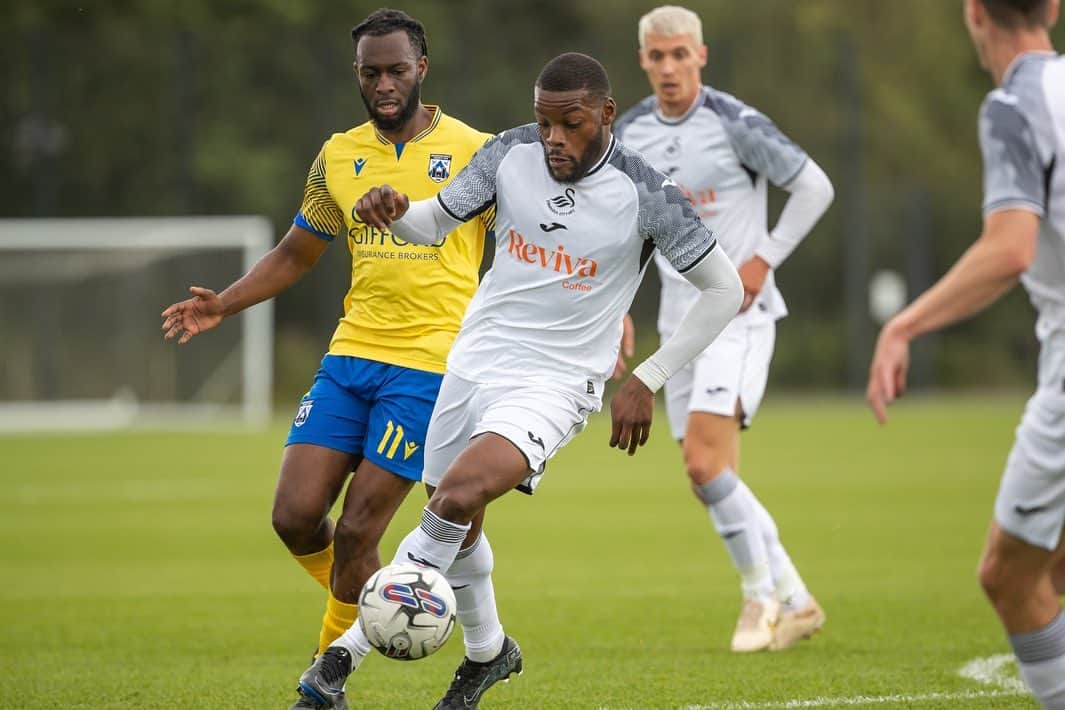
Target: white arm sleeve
pixel 720 297
pixel 811 194
pixel 426 222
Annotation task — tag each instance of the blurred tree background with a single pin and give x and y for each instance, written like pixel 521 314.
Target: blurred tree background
pixel 191 107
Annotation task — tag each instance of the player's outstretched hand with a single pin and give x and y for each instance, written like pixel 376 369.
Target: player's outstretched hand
pixel 887 372
pixel 628 345
pixel 631 411
pixel 381 206
pixel 752 273
pixel 193 316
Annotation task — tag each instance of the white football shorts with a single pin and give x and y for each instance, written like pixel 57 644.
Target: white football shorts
pixel 538 420
pixel 734 367
pixel 1031 498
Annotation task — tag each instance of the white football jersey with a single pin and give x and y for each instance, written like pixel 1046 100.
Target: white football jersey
pixel 569 258
pixel 1022 136
pixel 721 153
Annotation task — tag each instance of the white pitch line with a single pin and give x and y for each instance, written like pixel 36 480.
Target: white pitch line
pixel 854 700
pixel 986 671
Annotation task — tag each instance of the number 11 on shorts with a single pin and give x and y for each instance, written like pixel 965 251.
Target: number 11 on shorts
pixel 389 430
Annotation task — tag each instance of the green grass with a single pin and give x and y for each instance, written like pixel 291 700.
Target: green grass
pixel 140 570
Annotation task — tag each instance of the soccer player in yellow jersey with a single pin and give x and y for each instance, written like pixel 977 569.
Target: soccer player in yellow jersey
pixel 369 406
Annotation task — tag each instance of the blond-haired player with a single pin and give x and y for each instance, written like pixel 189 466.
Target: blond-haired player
pixel 723 153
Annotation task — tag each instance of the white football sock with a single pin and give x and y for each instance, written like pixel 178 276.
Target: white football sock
pixel 356 643
pixel 433 544
pixel 791 590
pixel 733 512
pixel 470 576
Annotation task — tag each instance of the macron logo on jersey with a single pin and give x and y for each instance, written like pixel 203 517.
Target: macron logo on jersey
pixel 557 259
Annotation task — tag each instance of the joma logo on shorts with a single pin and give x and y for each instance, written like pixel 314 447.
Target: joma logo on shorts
pixel 557 259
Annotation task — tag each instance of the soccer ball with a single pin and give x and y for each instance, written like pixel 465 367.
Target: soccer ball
pixel 407 612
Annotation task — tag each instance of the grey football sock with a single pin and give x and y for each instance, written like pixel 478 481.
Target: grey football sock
pixel 1041 659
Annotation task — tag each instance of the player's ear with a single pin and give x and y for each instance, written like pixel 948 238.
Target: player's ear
pixel 609 112
pixel 1053 9
pixel 423 67
pixel 974 13
pixel 702 53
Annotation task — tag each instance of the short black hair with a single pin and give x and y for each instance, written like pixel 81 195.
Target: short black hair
pixel 573 71
pixel 1017 14
pixel 385 21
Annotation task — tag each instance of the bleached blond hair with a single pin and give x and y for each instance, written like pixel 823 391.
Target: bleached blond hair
pixel 669 21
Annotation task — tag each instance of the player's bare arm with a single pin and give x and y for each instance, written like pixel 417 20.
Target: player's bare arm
pixel 381 206
pixel 281 267
pixel 987 270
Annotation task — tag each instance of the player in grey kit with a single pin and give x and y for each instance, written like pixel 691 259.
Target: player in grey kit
pixel 1022 135
pixel 723 154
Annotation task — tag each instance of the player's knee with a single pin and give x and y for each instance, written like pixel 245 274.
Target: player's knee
pixel 458 504
pixel 357 531
pixel 999 582
pixel 1057 577
pixel 703 465
pixel 295 526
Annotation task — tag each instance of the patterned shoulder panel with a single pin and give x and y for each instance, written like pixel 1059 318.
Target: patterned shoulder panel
pixel 666 216
pixel 643 108
pixel 319 212
pixel 760 145
pixel 1014 175
pixel 473 190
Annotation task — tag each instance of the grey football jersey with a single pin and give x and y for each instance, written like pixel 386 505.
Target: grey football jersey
pixel 568 259
pixel 722 153
pixel 1022 136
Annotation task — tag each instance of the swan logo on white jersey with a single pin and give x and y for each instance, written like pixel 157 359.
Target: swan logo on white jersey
pixel 563 204
pixel 673 149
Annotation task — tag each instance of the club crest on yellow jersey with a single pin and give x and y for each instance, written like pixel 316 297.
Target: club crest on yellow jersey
pixel 439 167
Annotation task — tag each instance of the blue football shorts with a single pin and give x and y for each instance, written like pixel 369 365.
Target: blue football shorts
pixel 370 409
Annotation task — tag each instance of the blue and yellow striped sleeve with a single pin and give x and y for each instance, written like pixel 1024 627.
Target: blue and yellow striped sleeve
pixel 319 212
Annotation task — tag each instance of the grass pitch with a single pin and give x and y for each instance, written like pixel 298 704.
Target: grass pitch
pixel 140 571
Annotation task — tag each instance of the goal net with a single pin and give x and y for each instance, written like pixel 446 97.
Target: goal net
pixel 80 339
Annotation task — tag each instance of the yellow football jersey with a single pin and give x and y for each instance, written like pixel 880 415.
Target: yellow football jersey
pixel 406 301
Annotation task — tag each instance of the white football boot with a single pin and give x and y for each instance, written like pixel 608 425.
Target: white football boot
pixel 793 626
pixel 754 630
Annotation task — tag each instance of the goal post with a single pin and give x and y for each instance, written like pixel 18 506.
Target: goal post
pixel 80 339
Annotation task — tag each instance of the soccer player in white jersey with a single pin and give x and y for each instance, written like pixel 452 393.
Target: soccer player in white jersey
pixel 722 153
pixel 577 218
pixel 1022 136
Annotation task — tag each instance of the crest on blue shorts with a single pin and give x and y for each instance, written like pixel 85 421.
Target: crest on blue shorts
pixel 439 167
pixel 304 412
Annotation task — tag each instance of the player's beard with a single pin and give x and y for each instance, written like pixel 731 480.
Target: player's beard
pixel 588 158
pixel 396 122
